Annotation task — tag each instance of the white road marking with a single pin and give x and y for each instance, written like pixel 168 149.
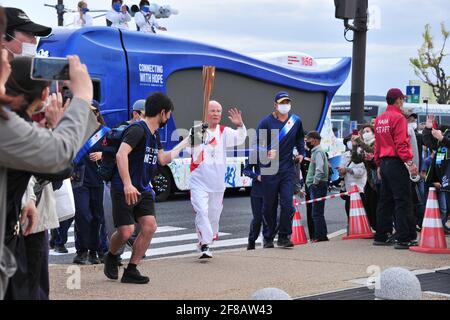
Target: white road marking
pixel 187 247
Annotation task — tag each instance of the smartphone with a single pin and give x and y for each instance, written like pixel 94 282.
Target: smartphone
pixel 50 69
pixel 355 132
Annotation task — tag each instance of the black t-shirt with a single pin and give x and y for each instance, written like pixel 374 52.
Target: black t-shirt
pixel 142 160
pixel 134 136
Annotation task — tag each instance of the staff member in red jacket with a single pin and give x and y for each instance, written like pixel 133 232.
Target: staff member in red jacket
pixel 392 151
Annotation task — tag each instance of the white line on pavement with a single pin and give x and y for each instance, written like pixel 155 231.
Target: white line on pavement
pixel 183 237
pixel 188 247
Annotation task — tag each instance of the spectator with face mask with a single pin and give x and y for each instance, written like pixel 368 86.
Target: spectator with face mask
pixel 30 97
pixel 118 15
pixel 21 32
pixel 363 151
pixel 317 182
pixel 82 18
pixel 353 173
pixel 27 147
pixel 27 97
pixel 438 140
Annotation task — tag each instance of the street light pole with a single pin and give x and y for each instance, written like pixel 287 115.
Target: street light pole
pixel 359 67
pixel 356 10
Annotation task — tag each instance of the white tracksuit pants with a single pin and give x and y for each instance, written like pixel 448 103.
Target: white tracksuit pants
pixel 208 207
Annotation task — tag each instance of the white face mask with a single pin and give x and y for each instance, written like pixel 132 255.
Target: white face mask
pixel 28 49
pixel 413 125
pixel 367 136
pixel 284 108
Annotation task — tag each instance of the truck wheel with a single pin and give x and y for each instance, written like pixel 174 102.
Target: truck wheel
pixel 162 184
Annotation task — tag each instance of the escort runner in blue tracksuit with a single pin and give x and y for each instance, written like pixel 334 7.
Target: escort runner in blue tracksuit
pixel 279 181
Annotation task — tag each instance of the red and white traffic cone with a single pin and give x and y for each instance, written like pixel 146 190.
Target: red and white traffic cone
pixel 298 235
pixel 358 225
pixel 432 237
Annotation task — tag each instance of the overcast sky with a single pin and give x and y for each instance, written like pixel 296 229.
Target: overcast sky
pixel 258 26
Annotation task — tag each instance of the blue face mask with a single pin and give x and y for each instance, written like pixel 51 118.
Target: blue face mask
pixel 146 9
pixel 117 6
pixel 84 10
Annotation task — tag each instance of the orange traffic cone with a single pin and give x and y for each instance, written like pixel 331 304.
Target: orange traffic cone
pixel 298 231
pixel 432 237
pixel 358 225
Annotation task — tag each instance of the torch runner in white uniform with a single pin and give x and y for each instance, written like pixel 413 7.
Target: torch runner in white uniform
pixel 207 181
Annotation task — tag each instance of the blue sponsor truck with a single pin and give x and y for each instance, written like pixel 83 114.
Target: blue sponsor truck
pixel 127 65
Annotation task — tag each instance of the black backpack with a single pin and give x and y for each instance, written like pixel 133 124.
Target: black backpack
pixel 110 146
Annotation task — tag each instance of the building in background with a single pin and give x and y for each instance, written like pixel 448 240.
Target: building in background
pixel 419 91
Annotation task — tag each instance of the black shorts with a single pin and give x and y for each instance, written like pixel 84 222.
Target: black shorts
pixel 124 214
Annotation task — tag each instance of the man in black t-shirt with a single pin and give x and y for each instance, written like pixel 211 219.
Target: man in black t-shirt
pixel 133 199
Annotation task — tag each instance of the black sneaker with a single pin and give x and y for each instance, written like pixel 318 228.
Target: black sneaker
pixel 111 268
pixel 251 245
pixel 268 244
pixel 284 243
pixel 204 252
pixel 402 245
pixel 132 275
pixel 61 249
pixel 81 258
pixel 93 259
pixel 388 242
pixel 413 243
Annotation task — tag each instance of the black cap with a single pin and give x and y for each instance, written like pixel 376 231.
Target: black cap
pixel 18 20
pixel 314 135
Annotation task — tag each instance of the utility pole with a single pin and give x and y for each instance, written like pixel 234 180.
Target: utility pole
pixel 60 10
pixel 356 10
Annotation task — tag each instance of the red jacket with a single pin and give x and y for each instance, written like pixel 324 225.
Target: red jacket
pixel 391 136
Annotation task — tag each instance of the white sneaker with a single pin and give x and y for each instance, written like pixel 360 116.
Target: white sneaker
pixel 205 253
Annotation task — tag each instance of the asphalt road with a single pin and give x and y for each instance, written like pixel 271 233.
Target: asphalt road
pixel 176 233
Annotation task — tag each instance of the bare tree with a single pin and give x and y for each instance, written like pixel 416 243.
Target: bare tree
pixel 429 66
